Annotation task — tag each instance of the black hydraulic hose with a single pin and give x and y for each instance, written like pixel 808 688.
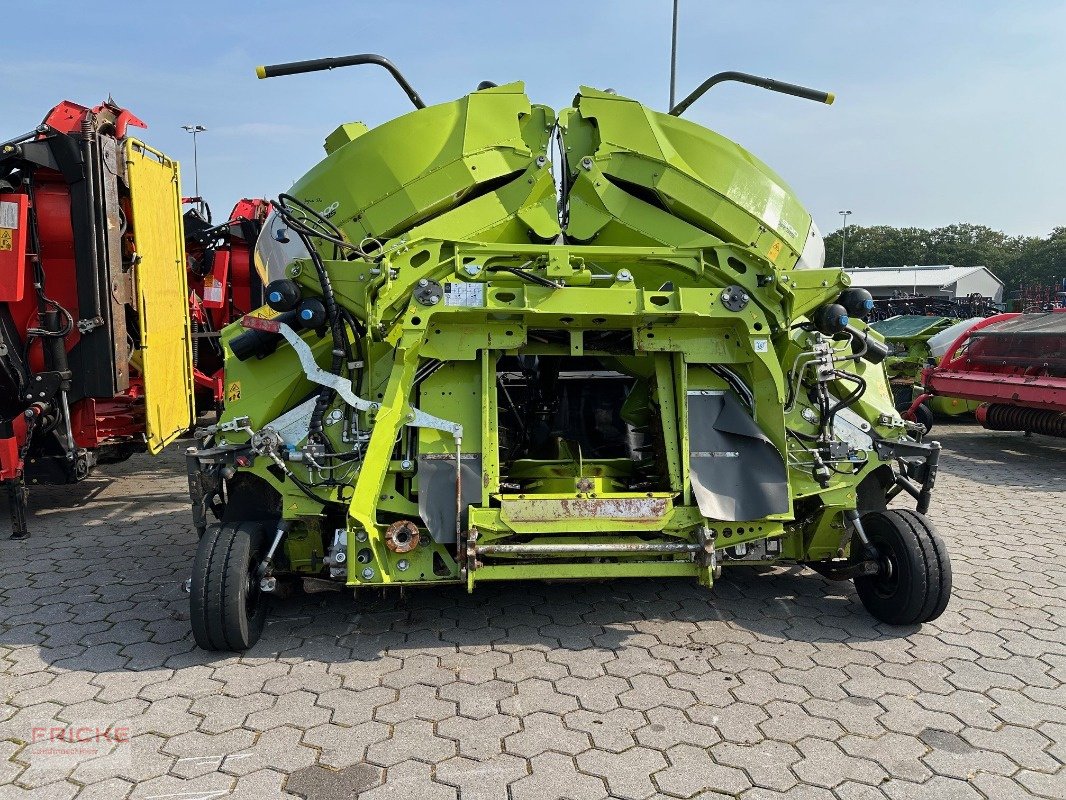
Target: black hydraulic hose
pixel 340 344
pixel 322 227
pixel 319 64
pixel 752 80
pixel 846 402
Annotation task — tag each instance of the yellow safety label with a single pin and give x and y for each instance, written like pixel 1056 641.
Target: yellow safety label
pixel 775 250
pixel 233 392
pixel 7 241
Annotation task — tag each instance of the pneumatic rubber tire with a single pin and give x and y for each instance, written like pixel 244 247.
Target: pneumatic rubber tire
pixel 226 608
pixel 914 584
pixel 924 415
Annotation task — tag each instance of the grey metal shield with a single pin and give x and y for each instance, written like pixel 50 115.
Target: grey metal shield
pixel 737 473
pixel 436 492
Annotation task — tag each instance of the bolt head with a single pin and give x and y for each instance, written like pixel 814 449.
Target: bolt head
pixel 407 464
pixel 423 282
pixel 367 574
pixel 402 565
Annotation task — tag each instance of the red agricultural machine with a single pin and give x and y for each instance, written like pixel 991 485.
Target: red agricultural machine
pixel 223 284
pixel 111 302
pixel 1015 366
pixel 95 347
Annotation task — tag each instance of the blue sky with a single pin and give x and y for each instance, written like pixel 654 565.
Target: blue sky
pixel 947 111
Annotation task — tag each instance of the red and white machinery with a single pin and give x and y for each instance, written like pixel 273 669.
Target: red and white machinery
pixel 223 284
pixel 95 345
pixel 1015 365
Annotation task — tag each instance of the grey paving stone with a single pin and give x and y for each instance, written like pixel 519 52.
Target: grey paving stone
pixel 316 782
pixel 628 774
pixel 554 777
pixel 825 764
pixel 767 764
pixel 480 739
pixel 692 771
pixel 542 732
pixel 343 745
pixel 776 684
pixel 410 740
pixel 482 780
pixel 411 779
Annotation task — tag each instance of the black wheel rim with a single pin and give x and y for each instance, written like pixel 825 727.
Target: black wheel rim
pixel 886 582
pixel 252 595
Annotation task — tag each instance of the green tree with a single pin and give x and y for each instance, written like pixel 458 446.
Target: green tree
pixel 1016 260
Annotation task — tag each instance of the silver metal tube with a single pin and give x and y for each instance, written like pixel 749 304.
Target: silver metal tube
pixel 72 448
pixel 549 549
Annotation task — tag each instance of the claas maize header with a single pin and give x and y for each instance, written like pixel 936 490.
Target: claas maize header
pixel 507 343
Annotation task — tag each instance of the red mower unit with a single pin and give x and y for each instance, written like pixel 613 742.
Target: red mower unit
pixel 223 284
pixel 1015 365
pixel 95 356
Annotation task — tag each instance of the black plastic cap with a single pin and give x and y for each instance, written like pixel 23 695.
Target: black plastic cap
pixel 311 313
pixel 831 319
pixel 282 294
pixel 857 302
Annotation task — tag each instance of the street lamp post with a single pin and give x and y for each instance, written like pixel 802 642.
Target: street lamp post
pixel 195 129
pixel 844 242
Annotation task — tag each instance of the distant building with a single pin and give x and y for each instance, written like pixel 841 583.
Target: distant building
pixel 941 280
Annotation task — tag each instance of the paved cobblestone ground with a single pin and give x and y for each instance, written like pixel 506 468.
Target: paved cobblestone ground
pixel 776 684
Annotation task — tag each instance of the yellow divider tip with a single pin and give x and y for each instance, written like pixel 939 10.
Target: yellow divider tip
pixel 261 72
pixel 829 98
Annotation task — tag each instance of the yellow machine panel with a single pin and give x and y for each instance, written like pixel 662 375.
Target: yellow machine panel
pixel 162 292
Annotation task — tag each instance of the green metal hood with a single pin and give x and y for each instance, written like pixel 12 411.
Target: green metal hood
pixel 479 168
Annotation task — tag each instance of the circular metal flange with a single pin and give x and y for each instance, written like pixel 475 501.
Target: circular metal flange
pixel 428 292
pixel 402 536
pixel 735 298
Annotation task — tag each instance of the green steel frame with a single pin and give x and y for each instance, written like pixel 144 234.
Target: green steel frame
pixel 468 247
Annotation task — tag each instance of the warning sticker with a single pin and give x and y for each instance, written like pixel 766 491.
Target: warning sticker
pixel 6 239
pixel 9 216
pixel 212 290
pixel 761 346
pixel 775 250
pixel 471 295
pixel 233 392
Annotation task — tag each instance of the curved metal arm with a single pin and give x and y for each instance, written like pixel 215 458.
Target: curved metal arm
pixel 318 64
pixel 753 80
